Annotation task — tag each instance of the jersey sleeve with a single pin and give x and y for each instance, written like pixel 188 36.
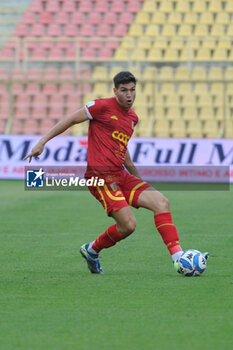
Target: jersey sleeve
pixel 94 109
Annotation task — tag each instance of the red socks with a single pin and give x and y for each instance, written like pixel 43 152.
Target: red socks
pixel 107 239
pixel 168 232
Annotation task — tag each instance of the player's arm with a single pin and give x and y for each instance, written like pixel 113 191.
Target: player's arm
pixel 75 118
pixel 130 165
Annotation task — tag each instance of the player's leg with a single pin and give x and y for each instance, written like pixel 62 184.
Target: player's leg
pixel 116 206
pixel 125 225
pixel 159 204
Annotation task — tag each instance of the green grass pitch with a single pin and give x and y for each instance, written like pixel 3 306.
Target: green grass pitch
pixel 50 301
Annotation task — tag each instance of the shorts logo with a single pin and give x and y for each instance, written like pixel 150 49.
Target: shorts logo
pixel 35 178
pixel 121 137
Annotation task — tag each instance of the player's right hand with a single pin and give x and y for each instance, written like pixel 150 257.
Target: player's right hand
pixel 36 151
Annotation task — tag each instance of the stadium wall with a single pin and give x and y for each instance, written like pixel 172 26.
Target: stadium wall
pixel 169 160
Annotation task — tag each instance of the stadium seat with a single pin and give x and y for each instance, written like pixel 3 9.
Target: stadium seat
pixel 228 73
pixel 190 17
pixel 190 113
pixel 21 30
pixel 166 73
pixel 210 129
pixel 199 6
pixel 118 7
pixel 222 18
pixel 54 30
pixel 52 6
pixel 62 18
pixel 133 7
pixel 68 6
pixel 188 100
pixel 206 113
pixel 38 30
pixel 149 6
pixel 171 54
pixel 56 112
pixel 94 18
pixel 199 73
pixel 184 89
pixel 28 18
pixel 78 18
pixel 168 30
pixel 185 30
pixel 204 100
pixel 120 30
pixel 103 30
pixel 175 18
pixel 87 30
pixel 162 128
pixel 2 126
pixel 203 54
pixel 71 30
pixel 36 6
pixel 215 73
pixel 46 125
pixel 220 54
pixel 55 54
pixel 45 18
pixel 158 18
pixel 136 30
pixel 152 30
pixel 201 88
pixel 21 112
pixel 206 18
pixel 166 6
pixel 50 89
pixel 142 18
pixel 173 112
pixel 111 18
pixel 50 73
pixel 182 73
pixel 215 6
pixel 101 6
pixel 178 128
pixel 126 18
pixel 172 101
pixel 194 129
pixel 217 30
pixel 155 54
pixel 167 89
pixel 39 112
pixel 86 7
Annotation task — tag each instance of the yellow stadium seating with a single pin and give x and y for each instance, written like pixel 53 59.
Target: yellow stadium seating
pixel 167 89
pixel 184 89
pixel 155 54
pixel 172 101
pixel 162 128
pixel 217 30
pixel 150 72
pixel 166 6
pixel 210 129
pixel 201 88
pixel 215 73
pixel 199 73
pixel 168 30
pixel 229 73
pixel 142 18
pixel 183 6
pixel 201 30
pixel 149 6
pixel 171 54
pixel 199 6
pixel 160 43
pixel 178 128
pixel 194 128
pixel 185 30
pixel 206 113
pixel 100 73
pixel 166 73
pixel 190 17
pixel 222 18
pixel 190 113
pixel 188 100
pixel 136 30
pixel 152 30
pixel 203 54
pixel 175 18
pixel 204 100
pixel 173 112
pixel 229 6
pixel 207 18
pixel 158 18
pixel 215 6
pixel 230 30
pixel 182 73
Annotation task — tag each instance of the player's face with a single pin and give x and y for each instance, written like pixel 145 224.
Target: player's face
pixel 125 94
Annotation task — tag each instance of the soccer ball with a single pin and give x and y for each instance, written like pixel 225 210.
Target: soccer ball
pixel 192 263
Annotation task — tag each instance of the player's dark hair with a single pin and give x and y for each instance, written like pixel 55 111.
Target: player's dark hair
pixel 124 77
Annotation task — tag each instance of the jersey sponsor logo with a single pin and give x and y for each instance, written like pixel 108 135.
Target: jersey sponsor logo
pixel 114 117
pixel 91 103
pixel 121 137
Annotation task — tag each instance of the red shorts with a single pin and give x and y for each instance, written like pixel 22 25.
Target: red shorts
pixel 119 191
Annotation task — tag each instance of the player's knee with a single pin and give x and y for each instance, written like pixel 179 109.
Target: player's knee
pixel 163 206
pixel 128 227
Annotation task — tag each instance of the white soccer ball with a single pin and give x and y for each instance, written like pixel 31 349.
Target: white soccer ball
pixel 192 263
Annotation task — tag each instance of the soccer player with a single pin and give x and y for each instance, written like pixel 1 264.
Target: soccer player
pixel 111 124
